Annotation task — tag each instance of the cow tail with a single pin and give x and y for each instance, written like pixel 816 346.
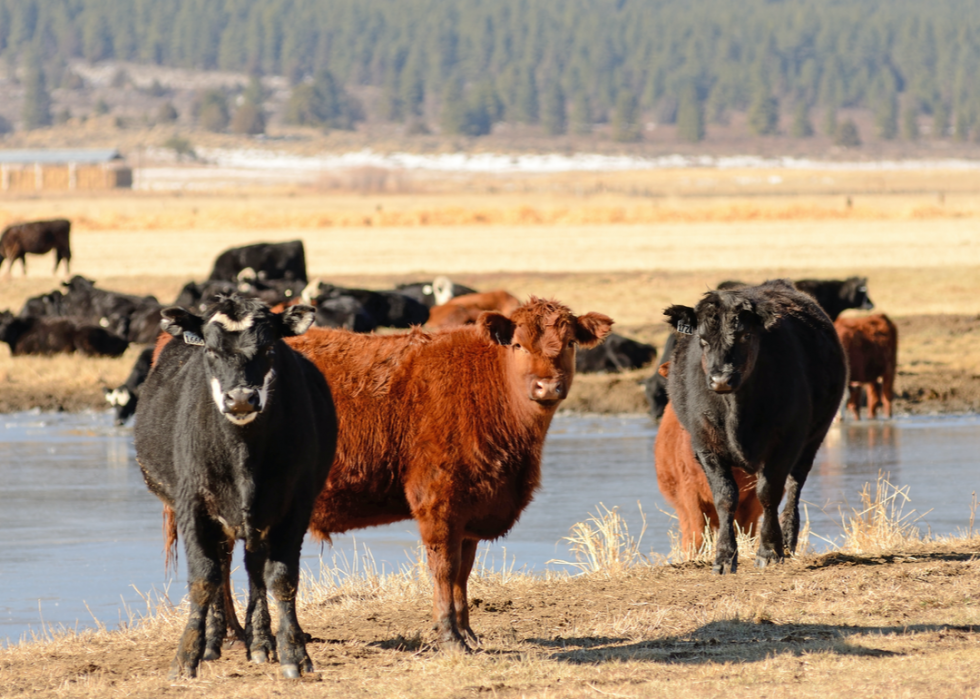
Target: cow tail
pixel 169 539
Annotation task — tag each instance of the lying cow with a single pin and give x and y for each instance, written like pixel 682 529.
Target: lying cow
pixel 124 399
pixel 434 293
pixel 265 260
pixel 37 238
pixel 47 336
pixel 756 378
pixel 446 428
pixel 684 485
pixel 616 353
pixel 390 309
pixel 871 346
pixel 464 310
pixel 236 433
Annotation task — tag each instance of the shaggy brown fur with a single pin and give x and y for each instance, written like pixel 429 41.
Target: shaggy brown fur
pixel 445 428
pixel 871 346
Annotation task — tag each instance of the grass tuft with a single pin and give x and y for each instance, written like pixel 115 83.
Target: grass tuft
pixel 602 543
pixel 881 524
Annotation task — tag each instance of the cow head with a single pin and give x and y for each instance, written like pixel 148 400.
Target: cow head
pixel 240 338
pixel 854 290
pixel 727 327
pixel 122 401
pixel 540 339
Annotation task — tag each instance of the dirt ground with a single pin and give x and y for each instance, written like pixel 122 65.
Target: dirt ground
pixel 903 624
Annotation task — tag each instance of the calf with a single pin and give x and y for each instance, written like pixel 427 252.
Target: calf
pixel 616 353
pixel 37 238
pixel 464 310
pixel 434 293
pixel 47 336
pixel 683 483
pixel 266 260
pixel 125 398
pixel 446 428
pixel 235 432
pixel 756 378
pixel 871 346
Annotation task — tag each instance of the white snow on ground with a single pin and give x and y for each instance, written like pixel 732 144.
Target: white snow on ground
pixel 227 167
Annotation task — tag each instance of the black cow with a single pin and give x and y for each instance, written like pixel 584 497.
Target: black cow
pixel 344 312
pixel 266 260
pixel 835 296
pixel 48 336
pixel 197 296
pixel 434 293
pixel 124 398
pixel 236 433
pixel 616 353
pixel 391 309
pixel 655 387
pixel 756 378
pixel 36 237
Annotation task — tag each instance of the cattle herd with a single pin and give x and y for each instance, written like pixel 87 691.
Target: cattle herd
pixel 254 425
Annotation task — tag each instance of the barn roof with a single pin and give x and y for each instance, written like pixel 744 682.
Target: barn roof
pixel 59 155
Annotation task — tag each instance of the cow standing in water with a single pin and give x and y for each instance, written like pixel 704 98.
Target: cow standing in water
pixel 871 346
pixel 37 238
pixel 447 429
pixel 756 378
pixel 236 432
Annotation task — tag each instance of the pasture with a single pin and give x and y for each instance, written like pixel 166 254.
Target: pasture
pixel 889 614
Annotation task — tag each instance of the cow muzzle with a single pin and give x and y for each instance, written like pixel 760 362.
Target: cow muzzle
pixel 239 402
pixel 547 391
pixel 723 383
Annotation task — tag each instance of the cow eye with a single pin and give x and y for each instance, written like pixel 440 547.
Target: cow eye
pixel 744 337
pixel 571 343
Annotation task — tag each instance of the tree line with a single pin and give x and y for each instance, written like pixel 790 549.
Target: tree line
pixel 563 64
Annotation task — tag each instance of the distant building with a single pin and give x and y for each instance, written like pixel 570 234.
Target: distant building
pixel 46 169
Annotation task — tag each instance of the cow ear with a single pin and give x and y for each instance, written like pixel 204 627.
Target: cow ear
pixel 664 369
pixel 297 319
pixel 591 329
pixel 767 316
pixel 496 327
pixel 683 319
pixel 182 323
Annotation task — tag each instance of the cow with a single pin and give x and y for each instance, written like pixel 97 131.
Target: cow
pixel 390 309
pixel 124 399
pixel 446 428
pixel 655 387
pixel 616 353
pixel 464 310
pixel 871 347
pixel 235 432
pixel 434 293
pixel 37 238
pixel 265 260
pixel 47 336
pixel 835 296
pixel 684 485
pixel 756 378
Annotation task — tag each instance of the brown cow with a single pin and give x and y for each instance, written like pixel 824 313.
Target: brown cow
pixel 683 483
pixel 36 237
pixel 871 346
pixel 465 309
pixel 445 428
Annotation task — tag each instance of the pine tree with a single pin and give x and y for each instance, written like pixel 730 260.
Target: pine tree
pixel 801 128
pixel 690 116
pixel 830 124
pixel 452 117
pixel 581 116
pixel 553 112
pixel 886 116
pixel 212 110
pixel 910 124
pixel 848 135
pixel 764 114
pixel 248 119
pixel 391 99
pixel 626 127
pixel 526 97
pixel 940 119
pixel 961 124
pixel 36 111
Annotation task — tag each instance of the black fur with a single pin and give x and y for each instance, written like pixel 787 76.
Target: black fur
pixel 268 261
pixel 225 477
pixel 616 353
pixel 124 399
pixel 48 336
pixel 757 386
pixel 835 296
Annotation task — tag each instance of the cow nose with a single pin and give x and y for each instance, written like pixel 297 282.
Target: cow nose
pixel 547 389
pixel 720 383
pixel 242 401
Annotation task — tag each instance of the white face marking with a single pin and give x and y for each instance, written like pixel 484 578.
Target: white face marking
pixel 219 399
pixel 264 391
pixel 217 395
pixel 232 325
pixel 121 397
pixel 442 289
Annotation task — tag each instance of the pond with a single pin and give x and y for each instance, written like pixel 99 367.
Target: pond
pixel 82 536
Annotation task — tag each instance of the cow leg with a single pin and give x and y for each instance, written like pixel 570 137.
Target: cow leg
pixel 443 549
pixel 873 400
pixel 234 633
pixel 790 517
pixel 202 544
pixel 460 597
pixel 770 491
pixel 724 490
pixel 854 400
pixel 887 391
pixel 259 642
pixel 23 262
pixel 221 615
pixel 282 577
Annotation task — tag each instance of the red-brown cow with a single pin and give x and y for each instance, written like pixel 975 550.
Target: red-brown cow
pixel 683 483
pixel 36 237
pixel 465 309
pixel 871 346
pixel 446 428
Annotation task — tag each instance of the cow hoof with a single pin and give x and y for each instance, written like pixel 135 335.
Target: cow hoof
pixel 211 654
pixel 471 638
pixel 177 671
pixel 259 657
pixel 290 671
pixel 763 561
